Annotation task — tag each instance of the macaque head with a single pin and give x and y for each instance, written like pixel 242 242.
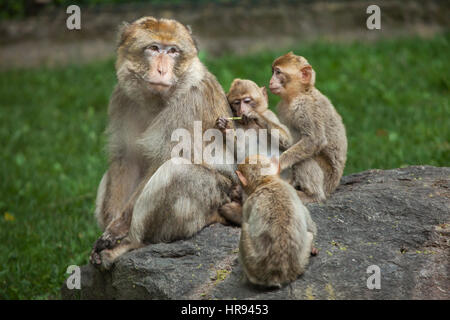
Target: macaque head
pixel 255 168
pixel 153 55
pixel 291 74
pixel 245 96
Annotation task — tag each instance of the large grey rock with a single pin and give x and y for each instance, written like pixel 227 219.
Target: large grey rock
pixel 396 219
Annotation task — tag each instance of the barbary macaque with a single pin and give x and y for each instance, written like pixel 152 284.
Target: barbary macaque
pixel 277 233
pixel 250 106
pixel 145 197
pixel 318 154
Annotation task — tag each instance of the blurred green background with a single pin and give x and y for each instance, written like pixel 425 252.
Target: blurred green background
pixel 393 95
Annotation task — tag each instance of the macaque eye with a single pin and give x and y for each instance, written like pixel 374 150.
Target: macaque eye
pixel 236 102
pixel 247 100
pixel 172 51
pixel 152 48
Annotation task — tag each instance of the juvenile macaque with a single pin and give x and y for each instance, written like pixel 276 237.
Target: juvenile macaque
pixel 249 104
pixel 144 196
pixel 277 231
pixel 319 152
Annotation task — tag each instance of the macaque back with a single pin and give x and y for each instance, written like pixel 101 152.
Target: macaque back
pixel 277 230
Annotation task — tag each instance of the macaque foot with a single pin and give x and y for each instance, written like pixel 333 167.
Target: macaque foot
pixel 95 258
pixel 105 258
pixel 106 242
pixel 314 251
pixel 102 260
pixel 232 212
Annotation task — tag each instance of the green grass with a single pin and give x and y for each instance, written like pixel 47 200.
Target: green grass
pixel 392 95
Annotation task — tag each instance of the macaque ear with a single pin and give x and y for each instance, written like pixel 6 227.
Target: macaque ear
pixel 242 178
pixel 123 33
pixel 275 165
pixel 264 93
pixel 306 74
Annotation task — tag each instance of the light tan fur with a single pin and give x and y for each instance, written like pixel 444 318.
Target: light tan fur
pixel 258 116
pixel 144 196
pixel 277 230
pixel 319 152
pixel 250 102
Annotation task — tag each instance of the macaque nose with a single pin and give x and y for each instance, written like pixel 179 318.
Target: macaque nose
pixel 162 65
pixel 161 71
pixel 244 108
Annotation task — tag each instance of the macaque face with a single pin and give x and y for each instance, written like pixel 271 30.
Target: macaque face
pixel 245 97
pixel 278 80
pixel 289 72
pixel 154 54
pixel 162 58
pixel 242 106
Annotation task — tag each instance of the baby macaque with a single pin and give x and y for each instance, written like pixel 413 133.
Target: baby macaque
pixel 318 154
pixel 277 231
pixel 249 104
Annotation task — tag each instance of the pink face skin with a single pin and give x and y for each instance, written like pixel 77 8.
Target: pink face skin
pixel 242 106
pixel 162 59
pixel 276 81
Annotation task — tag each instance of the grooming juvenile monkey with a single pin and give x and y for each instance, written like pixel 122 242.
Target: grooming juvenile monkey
pixel 145 197
pixel 319 152
pixel 277 230
pixel 250 103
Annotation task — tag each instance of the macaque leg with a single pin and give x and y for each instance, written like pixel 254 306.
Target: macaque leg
pixel 308 180
pixel 178 201
pixel 115 189
pixel 175 203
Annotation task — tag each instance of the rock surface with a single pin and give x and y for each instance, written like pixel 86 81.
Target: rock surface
pixel 398 220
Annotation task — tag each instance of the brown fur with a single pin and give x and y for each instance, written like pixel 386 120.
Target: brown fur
pixel 277 231
pixel 255 115
pixel 319 152
pixel 143 196
pixel 259 116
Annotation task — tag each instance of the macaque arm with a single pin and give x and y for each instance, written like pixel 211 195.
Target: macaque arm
pixel 311 143
pixel 122 179
pixel 270 121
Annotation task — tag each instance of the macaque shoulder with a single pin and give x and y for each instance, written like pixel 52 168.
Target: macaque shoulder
pixel 213 102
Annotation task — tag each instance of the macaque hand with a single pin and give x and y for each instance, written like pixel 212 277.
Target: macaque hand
pixel 251 117
pixel 222 124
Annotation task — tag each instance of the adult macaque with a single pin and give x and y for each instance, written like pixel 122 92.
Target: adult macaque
pixel 319 152
pixel 144 196
pixel 249 104
pixel 278 233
